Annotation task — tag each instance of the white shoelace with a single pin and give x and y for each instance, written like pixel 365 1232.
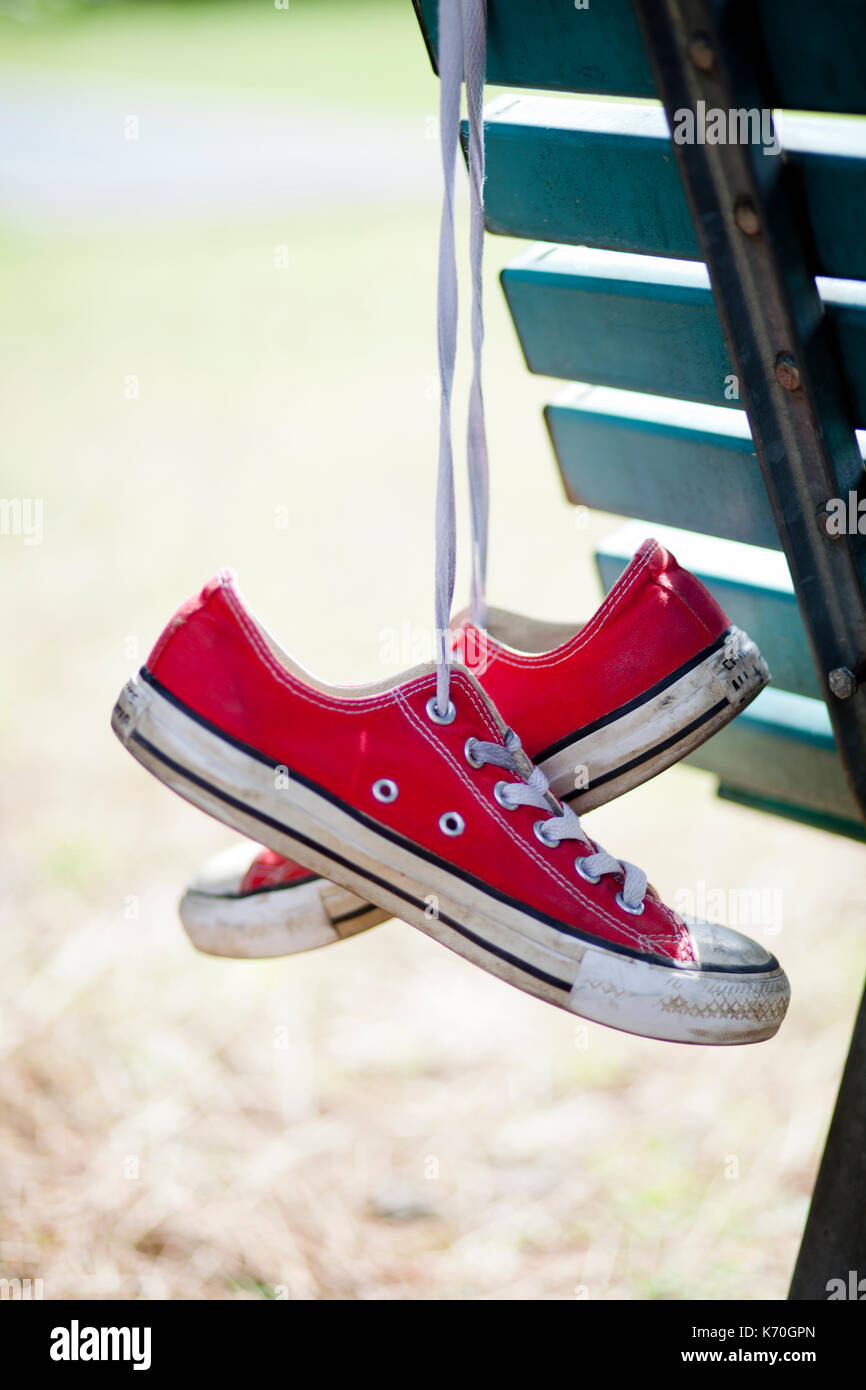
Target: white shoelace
pixel 474 61
pixel 450 81
pixel 564 825
pixel 462 47
pixel 463 51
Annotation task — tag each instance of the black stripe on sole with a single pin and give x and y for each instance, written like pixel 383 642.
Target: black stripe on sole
pixel 252 892
pixel 265 819
pixel 631 705
pixel 650 753
pixel 351 916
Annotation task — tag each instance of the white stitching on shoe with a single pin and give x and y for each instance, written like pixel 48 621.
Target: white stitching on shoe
pixel 590 630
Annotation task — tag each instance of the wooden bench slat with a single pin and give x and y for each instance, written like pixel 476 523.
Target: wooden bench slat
pixel 670 462
pixel 804 815
pixel 781 750
pixel 557 47
pixel 664 461
pixel 644 323
pixel 816 58
pixel 603 174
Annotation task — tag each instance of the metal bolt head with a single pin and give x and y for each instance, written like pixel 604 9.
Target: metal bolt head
pixel 823 516
pixel 787 372
pixel 842 682
pixel 746 217
pixel 701 53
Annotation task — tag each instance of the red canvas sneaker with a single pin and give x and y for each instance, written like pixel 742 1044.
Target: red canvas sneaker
pixel 439 818
pixel 250 903
pixel 601 708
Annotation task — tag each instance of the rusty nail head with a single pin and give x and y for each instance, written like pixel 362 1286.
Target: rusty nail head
pixel 823 516
pixel 787 372
pixel 701 53
pixel 746 218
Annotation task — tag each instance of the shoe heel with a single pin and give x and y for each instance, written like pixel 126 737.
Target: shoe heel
pixel 739 669
pixel 132 702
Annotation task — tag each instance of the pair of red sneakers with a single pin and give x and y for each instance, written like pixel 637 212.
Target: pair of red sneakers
pixel 374 804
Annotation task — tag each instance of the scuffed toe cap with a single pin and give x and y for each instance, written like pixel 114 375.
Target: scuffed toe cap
pixel 721 948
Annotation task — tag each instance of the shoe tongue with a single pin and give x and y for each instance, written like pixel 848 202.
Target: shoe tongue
pixel 462 673
pixel 512 631
pixel 522 760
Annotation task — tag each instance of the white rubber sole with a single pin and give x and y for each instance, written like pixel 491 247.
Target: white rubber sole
pixel 534 953
pixel 630 745
pixel 268 922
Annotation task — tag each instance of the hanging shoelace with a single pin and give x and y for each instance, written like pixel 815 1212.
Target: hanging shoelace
pixel 462 49
pixel 450 83
pixel 474 62
pixel 463 53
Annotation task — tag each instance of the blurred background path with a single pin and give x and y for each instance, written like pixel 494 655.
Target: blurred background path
pixel 114 148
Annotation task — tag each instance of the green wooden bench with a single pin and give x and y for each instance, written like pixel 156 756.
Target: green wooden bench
pixel 707 302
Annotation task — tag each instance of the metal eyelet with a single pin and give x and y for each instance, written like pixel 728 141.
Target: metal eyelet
pixel 584 874
pixel 634 911
pixel 434 715
pixel 467 752
pixel 452 823
pixel 499 792
pixel 385 789
pixel 541 834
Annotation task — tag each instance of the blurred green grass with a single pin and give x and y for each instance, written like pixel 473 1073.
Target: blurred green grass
pixel 352 51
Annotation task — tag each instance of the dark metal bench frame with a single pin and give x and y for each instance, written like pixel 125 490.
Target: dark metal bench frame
pixel 804 438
